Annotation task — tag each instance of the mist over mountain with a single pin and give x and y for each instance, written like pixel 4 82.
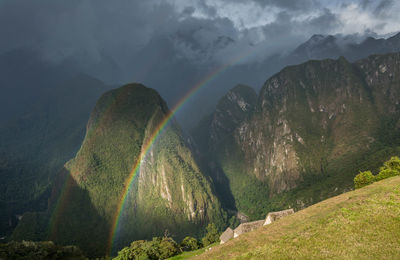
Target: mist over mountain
pixel 183 42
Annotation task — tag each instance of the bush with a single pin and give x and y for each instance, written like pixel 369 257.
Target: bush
pixel 167 248
pixel 389 169
pixel 158 248
pixel 392 164
pixel 212 235
pixel 386 173
pixel 363 179
pixel 190 244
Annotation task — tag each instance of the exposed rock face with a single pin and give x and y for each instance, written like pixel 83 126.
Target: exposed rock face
pixel 310 114
pixel 313 105
pixel 215 134
pixel 169 191
pixel 231 110
pixel 311 130
pixel 381 74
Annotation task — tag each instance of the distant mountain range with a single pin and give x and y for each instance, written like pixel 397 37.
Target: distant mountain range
pixel 327 46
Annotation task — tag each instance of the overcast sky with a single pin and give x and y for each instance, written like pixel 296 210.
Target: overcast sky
pixel 166 44
pixel 64 27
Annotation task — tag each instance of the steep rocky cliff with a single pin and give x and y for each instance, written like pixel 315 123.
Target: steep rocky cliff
pixel 314 126
pixel 169 191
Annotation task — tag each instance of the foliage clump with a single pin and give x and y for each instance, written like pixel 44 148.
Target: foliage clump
pixel 158 248
pixel 165 247
pixel 190 244
pixel 363 179
pixel 211 236
pixel 389 169
pixel 39 250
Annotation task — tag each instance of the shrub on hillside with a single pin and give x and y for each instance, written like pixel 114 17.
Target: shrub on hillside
pixel 167 248
pixel 158 248
pixel 363 179
pixel 392 164
pixel 212 235
pixel 386 173
pixel 190 244
pixel 389 169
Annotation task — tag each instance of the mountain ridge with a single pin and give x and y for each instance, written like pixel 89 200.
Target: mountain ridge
pixel 310 132
pixel 169 191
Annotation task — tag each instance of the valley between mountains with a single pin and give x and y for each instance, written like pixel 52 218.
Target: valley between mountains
pixel 302 139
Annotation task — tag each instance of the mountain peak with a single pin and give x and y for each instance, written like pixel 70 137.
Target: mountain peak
pixel 318 39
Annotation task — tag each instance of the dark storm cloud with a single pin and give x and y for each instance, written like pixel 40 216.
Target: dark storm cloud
pixel 383 7
pixel 172 44
pixel 325 22
pixel 62 27
pixel 88 28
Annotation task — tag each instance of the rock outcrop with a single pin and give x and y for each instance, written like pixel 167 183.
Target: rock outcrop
pixel 274 216
pixel 313 127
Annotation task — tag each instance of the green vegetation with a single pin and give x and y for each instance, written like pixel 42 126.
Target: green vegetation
pixel 165 247
pixel 169 190
pixel 389 169
pixel 313 127
pixel 158 248
pixel 363 179
pixel 190 254
pixel 39 250
pixel 211 236
pixel 190 244
pixel 361 224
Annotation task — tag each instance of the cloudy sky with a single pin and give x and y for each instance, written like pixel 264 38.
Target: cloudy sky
pixel 165 38
pixel 64 27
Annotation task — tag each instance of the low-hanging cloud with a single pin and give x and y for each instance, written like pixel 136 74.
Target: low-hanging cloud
pixel 64 28
pixel 170 45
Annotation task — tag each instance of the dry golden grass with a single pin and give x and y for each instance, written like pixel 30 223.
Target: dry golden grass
pixel 361 224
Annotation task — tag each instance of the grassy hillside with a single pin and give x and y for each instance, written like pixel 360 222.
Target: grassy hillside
pixel 360 224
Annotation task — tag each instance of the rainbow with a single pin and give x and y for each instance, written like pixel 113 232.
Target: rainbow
pixel 150 141
pixel 59 206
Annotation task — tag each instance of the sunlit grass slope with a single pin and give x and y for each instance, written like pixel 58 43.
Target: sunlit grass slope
pixel 361 224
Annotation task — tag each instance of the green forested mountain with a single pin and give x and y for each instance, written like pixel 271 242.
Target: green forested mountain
pixel 169 192
pixel 313 128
